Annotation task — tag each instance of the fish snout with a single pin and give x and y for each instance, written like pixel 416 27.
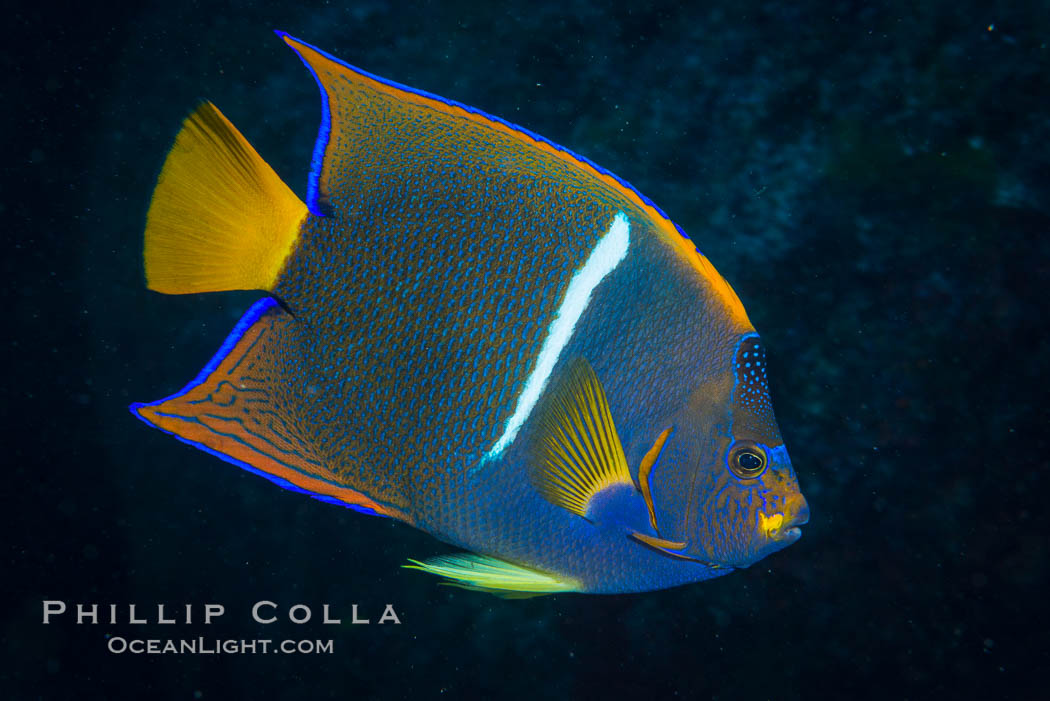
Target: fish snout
pixel 798 515
pixel 801 510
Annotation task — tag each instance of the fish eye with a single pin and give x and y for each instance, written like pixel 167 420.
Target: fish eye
pixel 747 460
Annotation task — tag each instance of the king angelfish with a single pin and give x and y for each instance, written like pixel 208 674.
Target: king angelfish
pixel 475 331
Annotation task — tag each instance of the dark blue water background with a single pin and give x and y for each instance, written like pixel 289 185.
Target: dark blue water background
pixel 871 177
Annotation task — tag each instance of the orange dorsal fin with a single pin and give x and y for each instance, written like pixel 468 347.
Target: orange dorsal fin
pixel 230 411
pixel 364 115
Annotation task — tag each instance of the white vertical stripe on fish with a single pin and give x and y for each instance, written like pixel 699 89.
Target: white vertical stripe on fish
pixel 607 254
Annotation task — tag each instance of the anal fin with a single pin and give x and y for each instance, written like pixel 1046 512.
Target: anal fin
pixel 229 411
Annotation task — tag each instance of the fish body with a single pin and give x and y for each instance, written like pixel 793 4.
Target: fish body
pixel 481 334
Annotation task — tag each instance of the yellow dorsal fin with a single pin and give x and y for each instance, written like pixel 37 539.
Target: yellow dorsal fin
pixel 495 576
pixel 578 452
pixel 646 467
pixel 220 218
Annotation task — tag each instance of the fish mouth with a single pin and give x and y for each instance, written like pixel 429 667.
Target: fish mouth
pixel 790 531
pixel 783 532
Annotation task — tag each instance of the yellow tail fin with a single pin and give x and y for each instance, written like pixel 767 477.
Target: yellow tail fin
pixel 220 218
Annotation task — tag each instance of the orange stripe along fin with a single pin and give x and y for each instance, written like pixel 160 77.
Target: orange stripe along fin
pixel 229 411
pixel 646 467
pixel 672 548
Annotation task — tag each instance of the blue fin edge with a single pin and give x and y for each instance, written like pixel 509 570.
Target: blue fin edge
pixel 325 131
pixel 253 314
pixel 250 317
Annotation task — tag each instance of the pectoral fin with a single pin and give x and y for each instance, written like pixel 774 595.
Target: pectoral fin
pixel 495 576
pixel 577 452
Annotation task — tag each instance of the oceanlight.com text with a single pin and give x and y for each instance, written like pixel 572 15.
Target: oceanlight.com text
pixel 120 645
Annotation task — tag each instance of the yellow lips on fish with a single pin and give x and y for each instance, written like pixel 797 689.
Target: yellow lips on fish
pixel 477 332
